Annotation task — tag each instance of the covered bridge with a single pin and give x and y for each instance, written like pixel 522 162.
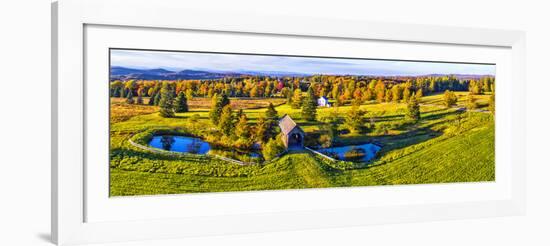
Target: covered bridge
pixel 291 134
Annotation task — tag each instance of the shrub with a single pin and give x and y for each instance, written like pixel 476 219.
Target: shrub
pixel 296 101
pixel 181 103
pixel 309 106
pixel 449 99
pixel 166 101
pixel 472 102
pixel 325 140
pixel 272 149
pixel 381 129
pixel 413 110
pixel 354 119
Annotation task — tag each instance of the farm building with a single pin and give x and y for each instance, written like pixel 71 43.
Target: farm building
pixel 323 102
pixel 291 134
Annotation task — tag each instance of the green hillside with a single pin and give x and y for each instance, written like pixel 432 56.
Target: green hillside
pixel 446 145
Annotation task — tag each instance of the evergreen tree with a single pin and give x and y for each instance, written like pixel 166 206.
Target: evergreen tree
pixel 156 100
pixel 181 103
pixel 139 99
pixel 449 99
pixel 130 97
pixel 330 128
pixel 309 106
pixel 226 123
pixel 397 93
pixel 433 86
pixel 151 100
pixel 218 103
pixel 297 99
pixel 380 90
pixel 354 119
pixel 115 88
pixel 242 129
pixel 419 94
pixel 260 130
pixel 406 94
pixel 271 114
pixel 166 101
pixel 413 109
pixel 215 110
pixel 224 100
pixel 272 120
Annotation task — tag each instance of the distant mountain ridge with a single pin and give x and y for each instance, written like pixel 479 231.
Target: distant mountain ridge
pixel 459 76
pixel 124 73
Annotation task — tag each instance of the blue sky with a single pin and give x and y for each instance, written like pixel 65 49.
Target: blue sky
pixel 177 61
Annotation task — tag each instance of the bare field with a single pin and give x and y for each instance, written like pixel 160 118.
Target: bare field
pixel 236 103
pixel 121 111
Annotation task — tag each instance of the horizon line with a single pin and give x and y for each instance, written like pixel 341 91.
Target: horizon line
pixel 292 64
pixel 287 73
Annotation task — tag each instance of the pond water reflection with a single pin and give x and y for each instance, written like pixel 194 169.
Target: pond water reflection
pixel 180 144
pixel 356 153
pixel 193 145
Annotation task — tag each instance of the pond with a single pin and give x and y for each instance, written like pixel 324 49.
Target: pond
pixel 356 153
pixel 180 144
pixel 193 145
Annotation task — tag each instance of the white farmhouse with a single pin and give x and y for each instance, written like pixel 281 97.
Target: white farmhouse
pixel 323 102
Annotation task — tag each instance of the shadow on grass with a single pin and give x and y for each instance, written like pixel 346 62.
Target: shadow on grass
pixel 433 114
pixel 406 139
pixel 310 123
pixel 437 116
pixel 387 118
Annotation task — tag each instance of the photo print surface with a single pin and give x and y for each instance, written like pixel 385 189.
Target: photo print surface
pixel 188 122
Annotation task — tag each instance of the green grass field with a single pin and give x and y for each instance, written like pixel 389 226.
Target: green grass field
pixel 442 147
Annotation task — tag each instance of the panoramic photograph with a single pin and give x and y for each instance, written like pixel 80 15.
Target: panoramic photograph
pixel 190 122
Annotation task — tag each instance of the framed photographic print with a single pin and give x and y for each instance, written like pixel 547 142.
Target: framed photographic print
pixel 219 122
pixel 170 126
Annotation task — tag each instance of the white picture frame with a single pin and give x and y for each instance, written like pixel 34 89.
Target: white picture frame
pixel 70 203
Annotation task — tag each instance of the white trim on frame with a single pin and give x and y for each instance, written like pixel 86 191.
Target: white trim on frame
pixel 70 173
pixel 102 208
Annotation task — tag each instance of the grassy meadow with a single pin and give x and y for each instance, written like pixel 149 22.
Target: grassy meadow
pixel 445 145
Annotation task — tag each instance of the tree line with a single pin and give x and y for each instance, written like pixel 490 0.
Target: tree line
pixel 342 89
